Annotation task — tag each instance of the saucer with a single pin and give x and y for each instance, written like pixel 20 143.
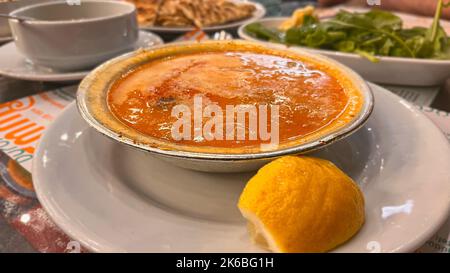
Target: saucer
pixel 112 198
pixel 14 65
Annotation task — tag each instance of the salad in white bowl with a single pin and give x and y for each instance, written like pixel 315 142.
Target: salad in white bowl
pixel 374 43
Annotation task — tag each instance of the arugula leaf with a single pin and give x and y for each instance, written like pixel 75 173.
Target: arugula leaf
pixel 346 46
pixel 436 36
pixel 261 32
pixel 367 55
pixel 385 49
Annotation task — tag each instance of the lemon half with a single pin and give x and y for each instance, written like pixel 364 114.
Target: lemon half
pixel 302 204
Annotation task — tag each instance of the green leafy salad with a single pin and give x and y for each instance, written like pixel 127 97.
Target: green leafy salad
pixel 370 34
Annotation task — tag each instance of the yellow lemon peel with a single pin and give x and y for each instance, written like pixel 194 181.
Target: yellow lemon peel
pixel 302 204
pixel 297 18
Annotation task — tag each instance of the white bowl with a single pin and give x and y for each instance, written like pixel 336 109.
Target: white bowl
pixel 71 37
pixel 389 70
pixel 7 7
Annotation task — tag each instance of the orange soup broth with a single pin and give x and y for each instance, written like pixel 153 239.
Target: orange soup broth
pixel 309 96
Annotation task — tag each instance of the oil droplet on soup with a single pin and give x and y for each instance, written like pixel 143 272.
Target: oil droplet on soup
pixel 309 97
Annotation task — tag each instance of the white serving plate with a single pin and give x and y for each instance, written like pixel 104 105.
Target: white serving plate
pixel 112 198
pixel 390 70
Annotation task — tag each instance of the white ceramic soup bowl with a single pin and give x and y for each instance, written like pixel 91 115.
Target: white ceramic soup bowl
pixel 93 107
pixel 9 6
pixel 6 7
pixel 75 37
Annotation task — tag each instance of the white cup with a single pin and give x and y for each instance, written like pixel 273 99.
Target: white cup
pixel 7 7
pixel 75 37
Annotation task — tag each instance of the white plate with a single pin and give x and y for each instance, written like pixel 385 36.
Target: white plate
pixel 14 65
pixel 112 198
pixel 259 13
pixel 389 70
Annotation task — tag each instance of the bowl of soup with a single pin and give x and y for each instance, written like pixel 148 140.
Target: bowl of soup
pixel 224 106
